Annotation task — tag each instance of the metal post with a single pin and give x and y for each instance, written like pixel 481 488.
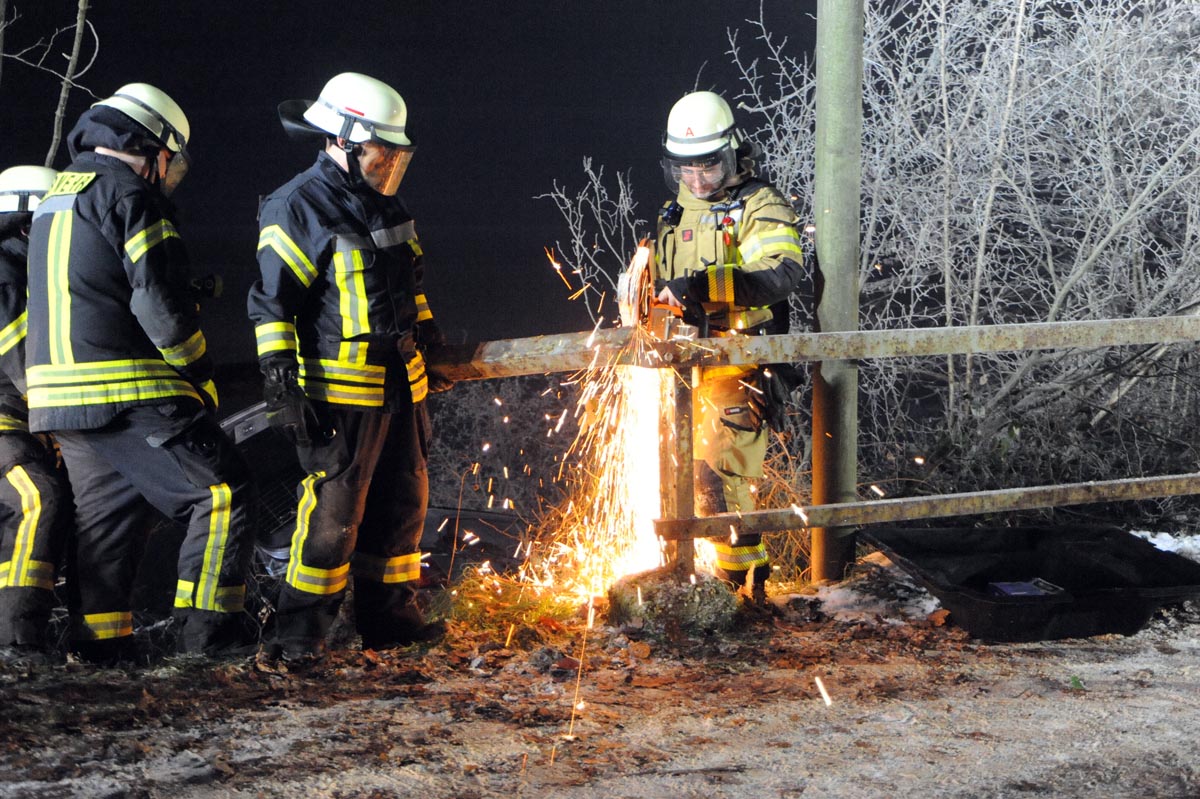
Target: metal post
pixel 676 480
pixel 836 201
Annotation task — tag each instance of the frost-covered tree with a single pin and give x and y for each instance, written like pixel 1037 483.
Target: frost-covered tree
pixel 1025 161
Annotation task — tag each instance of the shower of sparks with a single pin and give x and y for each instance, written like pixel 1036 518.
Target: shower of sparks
pixel 606 530
pixel 558 267
pixel 824 693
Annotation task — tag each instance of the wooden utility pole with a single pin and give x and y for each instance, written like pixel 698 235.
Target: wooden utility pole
pixel 836 203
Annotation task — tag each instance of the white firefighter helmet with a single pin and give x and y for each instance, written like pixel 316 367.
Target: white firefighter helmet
pixel 22 187
pixel 699 124
pixel 701 145
pixel 155 111
pixel 359 108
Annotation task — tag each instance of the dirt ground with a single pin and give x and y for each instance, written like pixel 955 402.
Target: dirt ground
pixel 916 708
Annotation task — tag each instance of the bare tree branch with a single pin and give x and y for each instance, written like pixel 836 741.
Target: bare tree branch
pixel 68 80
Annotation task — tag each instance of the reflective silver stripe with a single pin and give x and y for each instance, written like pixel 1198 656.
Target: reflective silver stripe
pixel 366 123
pixel 60 202
pixel 691 139
pixel 345 242
pixel 378 239
pixel 390 237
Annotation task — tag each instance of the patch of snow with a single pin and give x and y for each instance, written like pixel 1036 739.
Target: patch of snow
pixel 1186 545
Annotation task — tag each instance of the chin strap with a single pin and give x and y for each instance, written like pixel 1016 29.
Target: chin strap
pixel 351 151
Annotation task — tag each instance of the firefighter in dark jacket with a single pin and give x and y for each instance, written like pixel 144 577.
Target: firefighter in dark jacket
pixel 341 320
pixel 34 500
pixel 118 371
pixel 728 255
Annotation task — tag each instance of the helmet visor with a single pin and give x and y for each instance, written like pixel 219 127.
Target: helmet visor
pixel 704 176
pixel 383 166
pixel 176 171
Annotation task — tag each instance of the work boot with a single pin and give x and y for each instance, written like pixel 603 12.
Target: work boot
pixel 220 636
pixel 423 633
pixel 290 657
pixel 108 653
pixel 388 617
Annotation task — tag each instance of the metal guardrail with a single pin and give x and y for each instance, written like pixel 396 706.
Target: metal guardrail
pixel 614 346
pixel 857 514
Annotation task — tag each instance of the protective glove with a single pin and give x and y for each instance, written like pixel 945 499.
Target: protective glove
pixel 678 293
pixel 771 399
pixel 288 409
pixel 429 339
pixel 427 334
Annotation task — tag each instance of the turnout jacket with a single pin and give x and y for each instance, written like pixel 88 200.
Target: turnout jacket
pixel 736 256
pixel 341 290
pixel 111 322
pixel 14 414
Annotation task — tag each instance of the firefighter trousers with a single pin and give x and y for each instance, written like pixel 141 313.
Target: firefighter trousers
pixel 730 445
pixel 35 507
pixel 182 464
pixel 361 511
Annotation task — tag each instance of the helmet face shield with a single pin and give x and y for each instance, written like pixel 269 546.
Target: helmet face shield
pixel 173 175
pixel 704 176
pixel 383 166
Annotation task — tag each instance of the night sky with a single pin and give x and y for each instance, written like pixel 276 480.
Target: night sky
pixel 503 99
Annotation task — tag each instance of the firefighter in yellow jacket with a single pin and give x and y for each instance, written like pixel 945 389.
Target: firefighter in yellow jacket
pixel 341 320
pixel 119 372
pixel 728 255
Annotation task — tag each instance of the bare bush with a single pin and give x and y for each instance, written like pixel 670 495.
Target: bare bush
pixel 1025 162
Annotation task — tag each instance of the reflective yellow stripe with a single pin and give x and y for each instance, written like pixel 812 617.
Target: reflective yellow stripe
pixel 69 183
pixel 189 351
pixel 720 283
pixel 214 547
pixel 415 246
pixel 141 242
pixel 9 422
pixel 398 569
pixel 38 574
pixel 352 293
pixel 783 240
pixel 230 599
pixel 423 312
pixel 58 295
pixel 310 579
pixel 343 383
pixel 740 558
pixel 275 337
pixel 352 352
pixel 273 236
pixel 209 388
pixel 14 332
pixel 103 626
pixel 418 381
pixel 101 382
pixel 27 530
pixel 740 320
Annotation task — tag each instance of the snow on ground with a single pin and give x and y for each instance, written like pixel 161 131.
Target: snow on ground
pixel 1186 545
